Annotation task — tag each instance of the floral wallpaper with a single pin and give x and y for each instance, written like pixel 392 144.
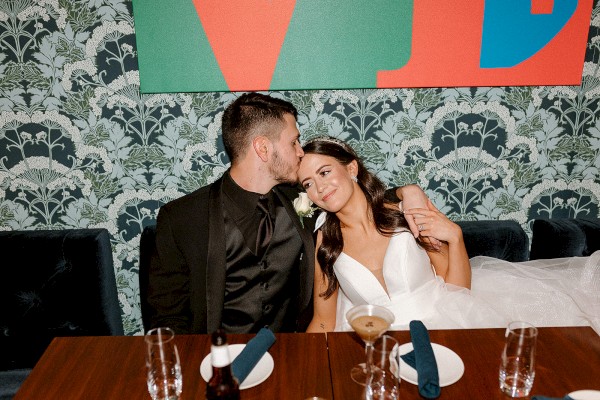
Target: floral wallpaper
pixel 81 147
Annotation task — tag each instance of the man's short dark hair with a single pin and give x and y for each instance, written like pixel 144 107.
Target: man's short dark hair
pixel 250 115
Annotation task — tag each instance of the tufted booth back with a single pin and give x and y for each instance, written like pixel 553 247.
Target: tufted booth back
pixel 147 245
pixel 505 240
pixel 54 283
pixel 556 238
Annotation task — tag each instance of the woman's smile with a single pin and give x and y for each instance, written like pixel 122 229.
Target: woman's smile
pixel 328 195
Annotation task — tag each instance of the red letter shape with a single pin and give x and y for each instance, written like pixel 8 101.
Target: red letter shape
pixel 447 43
pixel 246 38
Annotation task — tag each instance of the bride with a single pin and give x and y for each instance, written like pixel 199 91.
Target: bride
pixel 367 255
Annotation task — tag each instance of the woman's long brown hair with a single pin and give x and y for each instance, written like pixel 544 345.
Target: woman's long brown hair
pixel 387 219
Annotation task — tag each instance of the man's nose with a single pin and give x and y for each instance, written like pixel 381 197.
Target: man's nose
pixel 300 152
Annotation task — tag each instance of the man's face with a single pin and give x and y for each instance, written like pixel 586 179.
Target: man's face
pixel 287 153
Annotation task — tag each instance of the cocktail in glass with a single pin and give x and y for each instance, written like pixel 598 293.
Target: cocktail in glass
pixel 369 322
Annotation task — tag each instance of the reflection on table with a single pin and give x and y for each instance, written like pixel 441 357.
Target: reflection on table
pixel 306 365
pixel 114 368
pixel 568 359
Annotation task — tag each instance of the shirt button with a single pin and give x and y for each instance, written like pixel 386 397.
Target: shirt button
pixel 265 285
pixel 267 308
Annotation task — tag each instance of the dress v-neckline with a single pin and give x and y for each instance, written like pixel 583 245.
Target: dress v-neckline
pixel 361 265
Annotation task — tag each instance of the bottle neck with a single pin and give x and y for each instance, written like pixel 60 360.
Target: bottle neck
pixel 219 356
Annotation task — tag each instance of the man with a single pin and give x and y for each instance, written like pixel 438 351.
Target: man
pixel 234 254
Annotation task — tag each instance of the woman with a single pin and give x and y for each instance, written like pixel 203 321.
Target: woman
pixel 365 255
pixel 364 239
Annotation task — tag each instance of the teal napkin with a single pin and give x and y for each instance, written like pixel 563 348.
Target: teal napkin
pixel 423 361
pixel 252 353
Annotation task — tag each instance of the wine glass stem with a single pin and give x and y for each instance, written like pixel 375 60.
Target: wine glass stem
pixel 369 352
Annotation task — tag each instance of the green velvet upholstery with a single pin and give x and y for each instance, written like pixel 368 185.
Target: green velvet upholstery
pixel 505 240
pixel 557 238
pixel 146 249
pixel 54 283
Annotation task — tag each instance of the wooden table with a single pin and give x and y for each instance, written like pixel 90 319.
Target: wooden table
pixel 568 359
pixel 114 368
pixel 306 365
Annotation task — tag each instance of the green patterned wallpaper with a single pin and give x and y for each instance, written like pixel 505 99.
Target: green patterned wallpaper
pixel 81 147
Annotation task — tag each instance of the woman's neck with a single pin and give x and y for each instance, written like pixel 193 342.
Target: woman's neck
pixel 356 214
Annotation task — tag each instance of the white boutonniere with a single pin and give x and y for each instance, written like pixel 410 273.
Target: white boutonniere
pixel 304 207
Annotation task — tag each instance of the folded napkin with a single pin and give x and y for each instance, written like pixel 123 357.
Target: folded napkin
pixel 252 353
pixel 551 398
pixel 422 359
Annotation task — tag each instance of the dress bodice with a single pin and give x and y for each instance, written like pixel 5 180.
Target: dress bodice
pixel 406 268
pixel 412 286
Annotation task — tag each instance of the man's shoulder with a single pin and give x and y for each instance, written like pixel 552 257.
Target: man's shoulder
pixel 197 196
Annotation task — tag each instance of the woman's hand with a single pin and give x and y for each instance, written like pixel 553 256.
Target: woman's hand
pixel 413 197
pixel 432 223
pixel 452 261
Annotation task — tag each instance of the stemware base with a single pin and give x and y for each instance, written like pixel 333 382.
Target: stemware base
pixel 359 374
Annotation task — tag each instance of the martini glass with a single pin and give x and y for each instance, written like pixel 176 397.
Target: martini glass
pixel 369 322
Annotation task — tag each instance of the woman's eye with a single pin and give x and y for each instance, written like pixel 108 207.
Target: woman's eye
pixel 306 186
pixel 325 173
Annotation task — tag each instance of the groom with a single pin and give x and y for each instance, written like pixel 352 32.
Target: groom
pixel 234 254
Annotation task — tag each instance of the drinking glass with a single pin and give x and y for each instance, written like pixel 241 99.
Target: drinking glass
pixel 369 322
pixel 383 382
pixel 517 367
pixel 162 361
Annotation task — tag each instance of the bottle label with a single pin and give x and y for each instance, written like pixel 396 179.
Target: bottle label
pixel 219 356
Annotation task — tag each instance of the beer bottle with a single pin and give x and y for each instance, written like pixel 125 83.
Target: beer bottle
pixel 222 385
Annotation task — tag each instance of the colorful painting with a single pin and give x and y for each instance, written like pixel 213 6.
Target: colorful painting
pixel 215 45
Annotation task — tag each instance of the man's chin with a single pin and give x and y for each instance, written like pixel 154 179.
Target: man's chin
pixel 287 181
pixel 291 179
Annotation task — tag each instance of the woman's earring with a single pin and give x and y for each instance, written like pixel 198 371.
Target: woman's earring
pixel 354 178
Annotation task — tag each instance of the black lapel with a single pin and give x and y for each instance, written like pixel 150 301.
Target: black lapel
pixel 215 260
pixel 308 255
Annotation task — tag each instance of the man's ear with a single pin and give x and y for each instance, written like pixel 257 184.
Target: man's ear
pixel 262 147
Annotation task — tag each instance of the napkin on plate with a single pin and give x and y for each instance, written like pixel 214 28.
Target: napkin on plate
pixel 551 398
pixel 252 353
pixel 422 359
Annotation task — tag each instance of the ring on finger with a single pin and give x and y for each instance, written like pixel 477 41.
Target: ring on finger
pixel 421 227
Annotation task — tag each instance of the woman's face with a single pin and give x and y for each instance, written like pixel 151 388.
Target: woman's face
pixel 327 182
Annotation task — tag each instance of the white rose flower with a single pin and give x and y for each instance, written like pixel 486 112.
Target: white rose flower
pixel 302 204
pixel 303 207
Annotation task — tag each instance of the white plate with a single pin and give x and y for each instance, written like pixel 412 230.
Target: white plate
pixel 262 370
pixel 585 395
pixel 450 365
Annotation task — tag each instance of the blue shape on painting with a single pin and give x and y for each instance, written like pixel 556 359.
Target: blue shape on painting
pixel 512 34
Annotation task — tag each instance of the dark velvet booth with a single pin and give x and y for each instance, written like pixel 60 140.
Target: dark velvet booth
pixel 505 240
pixel 557 238
pixel 54 283
pixel 146 249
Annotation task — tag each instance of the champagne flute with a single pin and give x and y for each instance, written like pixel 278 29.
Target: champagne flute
pixel 369 322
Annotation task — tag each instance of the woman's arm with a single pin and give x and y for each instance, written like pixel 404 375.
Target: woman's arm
pixel 324 309
pixel 452 261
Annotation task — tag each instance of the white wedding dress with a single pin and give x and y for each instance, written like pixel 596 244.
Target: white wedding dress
pixel 558 292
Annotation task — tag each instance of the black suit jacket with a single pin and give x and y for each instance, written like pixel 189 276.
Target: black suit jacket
pixel 187 274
